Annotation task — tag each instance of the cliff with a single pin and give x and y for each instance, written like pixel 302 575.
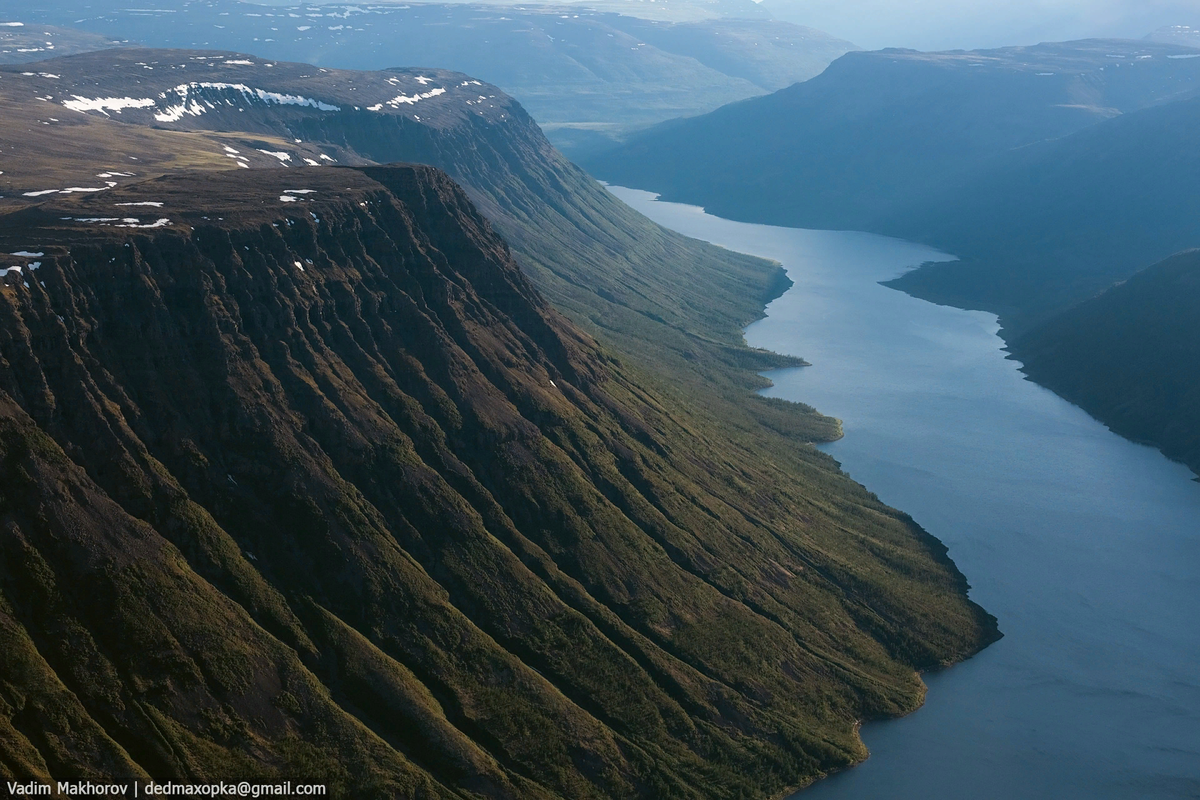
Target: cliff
pixel 303 479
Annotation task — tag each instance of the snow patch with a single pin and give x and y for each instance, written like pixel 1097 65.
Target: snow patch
pixel 146 203
pixel 106 104
pixel 405 99
pixel 190 105
pixel 282 156
pixel 27 254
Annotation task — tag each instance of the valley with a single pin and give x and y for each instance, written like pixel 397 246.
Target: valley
pixel 352 434
pixel 307 427
pixel 1081 542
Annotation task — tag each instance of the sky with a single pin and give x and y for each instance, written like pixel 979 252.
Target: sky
pixel 969 24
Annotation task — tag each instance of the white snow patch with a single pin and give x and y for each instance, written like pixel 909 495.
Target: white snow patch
pixel 146 203
pixel 1187 55
pixel 136 223
pixel 106 104
pixel 282 156
pixel 42 192
pixel 240 62
pixel 73 189
pixel 299 191
pixel 5 270
pixel 27 254
pixel 190 105
pixel 12 24
pixel 287 198
pixel 299 266
pixel 405 99
pixel 325 157
pixel 312 163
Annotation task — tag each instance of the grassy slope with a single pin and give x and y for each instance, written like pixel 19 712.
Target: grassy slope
pixel 364 470
pixel 672 309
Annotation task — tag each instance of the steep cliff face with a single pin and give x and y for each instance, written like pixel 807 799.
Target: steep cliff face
pixel 304 479
pixel 149 112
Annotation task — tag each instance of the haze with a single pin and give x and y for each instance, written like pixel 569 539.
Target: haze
pixel 954 24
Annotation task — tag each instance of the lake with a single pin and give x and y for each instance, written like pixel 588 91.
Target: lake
pixel 1084 545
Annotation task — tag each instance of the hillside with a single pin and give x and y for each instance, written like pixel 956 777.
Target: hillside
pixel 1054 224
pixel 1131 356
pixel 645 289
pixel 877 131
pixel 21 43
pixel 302 478
pixel 588 77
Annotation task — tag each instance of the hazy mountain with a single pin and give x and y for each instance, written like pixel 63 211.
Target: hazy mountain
pixel 1186 35
pixel 1053 224
pixel 21 43
pixel 587 76
pixel 1131 356
pixel 878 130
pixel 303 478
pixel 1051 171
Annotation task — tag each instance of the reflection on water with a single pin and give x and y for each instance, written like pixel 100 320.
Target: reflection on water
pixel 1085 546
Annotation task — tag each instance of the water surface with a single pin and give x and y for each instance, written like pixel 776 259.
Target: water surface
pixel 1084 545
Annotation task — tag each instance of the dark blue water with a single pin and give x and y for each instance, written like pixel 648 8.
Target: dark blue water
pixel 1084 545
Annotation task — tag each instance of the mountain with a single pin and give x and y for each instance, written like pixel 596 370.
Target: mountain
pixel 1186 35
pixel 1057 223
pixel 587 76
pixel 21 43
pixel 154 111
pixel 877 131
pixel 303 479
pixel 1131 356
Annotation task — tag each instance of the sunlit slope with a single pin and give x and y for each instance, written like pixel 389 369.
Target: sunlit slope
pixel 674 302
pixel 303 479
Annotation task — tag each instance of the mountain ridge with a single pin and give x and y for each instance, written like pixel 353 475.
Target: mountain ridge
pixel 439 516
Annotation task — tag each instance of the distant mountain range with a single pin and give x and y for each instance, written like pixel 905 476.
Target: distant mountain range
pixel 1187 35
pixel 21 43
pixel 1052 171
pixel 878 130
pixel 589 77
pixel 305 479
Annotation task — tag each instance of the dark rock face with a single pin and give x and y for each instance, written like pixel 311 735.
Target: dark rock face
pixel 1131 356
pixel 321 489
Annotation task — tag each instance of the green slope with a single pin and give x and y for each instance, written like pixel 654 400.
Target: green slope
pixel 321 488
